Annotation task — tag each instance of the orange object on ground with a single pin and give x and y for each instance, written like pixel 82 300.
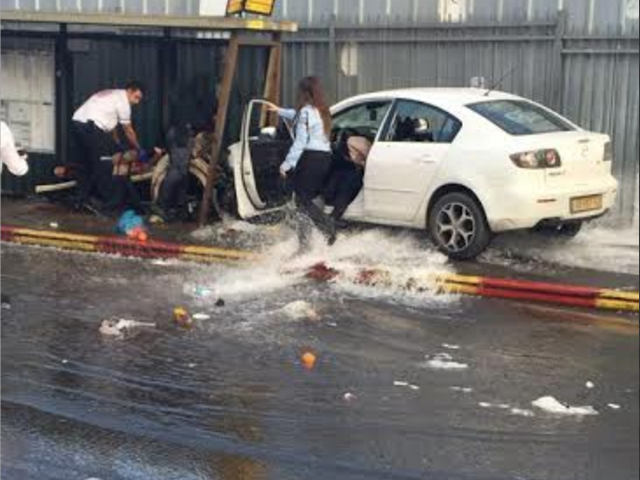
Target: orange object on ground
pixel 182 318
pixel 309 360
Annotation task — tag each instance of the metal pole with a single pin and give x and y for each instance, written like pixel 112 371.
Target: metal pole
pixel 64 94
pixel 333 60
pixel 558 61
pixel 230 66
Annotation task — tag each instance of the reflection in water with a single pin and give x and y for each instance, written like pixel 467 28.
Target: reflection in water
pixel 243 421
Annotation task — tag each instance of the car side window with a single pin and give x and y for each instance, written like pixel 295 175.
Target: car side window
pixel 415 122
pixel 364 120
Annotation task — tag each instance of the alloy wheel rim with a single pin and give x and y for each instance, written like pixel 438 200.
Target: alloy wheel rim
pixel 456 227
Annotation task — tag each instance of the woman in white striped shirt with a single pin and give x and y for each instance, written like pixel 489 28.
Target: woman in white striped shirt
pixel 309 161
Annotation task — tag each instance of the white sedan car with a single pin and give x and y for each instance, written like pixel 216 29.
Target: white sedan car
pixel 460 164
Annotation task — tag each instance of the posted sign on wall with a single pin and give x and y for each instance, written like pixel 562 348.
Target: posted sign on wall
pixel 259 7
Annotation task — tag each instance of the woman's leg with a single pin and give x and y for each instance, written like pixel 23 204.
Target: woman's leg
pixel 309 179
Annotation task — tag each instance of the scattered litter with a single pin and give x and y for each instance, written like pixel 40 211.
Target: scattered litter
pixel 332 324
pixel 466 390
pixel 192 365
pixel 202 292
pixel 309 360
pixel 54 225
pixel 201 317
pixel 591 385
pixel 444 361
pixel 65 362
pixel 522 412
pixel 349 397
pixel 551 405
pixel 121 327
pixel 497 406
pixel 450 347
pixel 220 303
pixel 402 384
pixel 182 318
pixel 614 406
pixel 301 310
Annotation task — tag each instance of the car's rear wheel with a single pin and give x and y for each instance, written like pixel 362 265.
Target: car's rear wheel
pixel 458 226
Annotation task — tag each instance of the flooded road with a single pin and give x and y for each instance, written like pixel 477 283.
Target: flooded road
pixel 405 387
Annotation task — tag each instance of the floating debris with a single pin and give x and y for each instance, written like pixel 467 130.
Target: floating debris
pixel 182 318
pixel 551 405
pixel 350 397
pixel 201 317
pixel 309 360
pixel 220 303
pixel 444 361
pixel 523 412
pixel 465 390
pixel 122 327
pixel 590 385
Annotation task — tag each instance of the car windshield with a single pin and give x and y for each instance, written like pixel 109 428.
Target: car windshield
pixel 518 117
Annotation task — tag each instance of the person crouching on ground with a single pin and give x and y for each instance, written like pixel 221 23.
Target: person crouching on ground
pixel 309 161
pixel 94 124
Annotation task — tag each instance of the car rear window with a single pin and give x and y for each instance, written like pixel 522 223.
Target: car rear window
pixel 521 118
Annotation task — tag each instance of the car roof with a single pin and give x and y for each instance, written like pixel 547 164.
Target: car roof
pixel 442 97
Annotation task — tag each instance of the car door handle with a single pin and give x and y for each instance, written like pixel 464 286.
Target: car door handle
pixel 425 159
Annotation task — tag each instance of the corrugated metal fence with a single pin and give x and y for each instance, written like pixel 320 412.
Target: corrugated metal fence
pixel 591 79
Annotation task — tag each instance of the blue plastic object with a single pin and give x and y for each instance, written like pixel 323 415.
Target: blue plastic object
pixel 129 222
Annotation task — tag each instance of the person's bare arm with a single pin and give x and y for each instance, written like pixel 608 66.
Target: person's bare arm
pixel 131 135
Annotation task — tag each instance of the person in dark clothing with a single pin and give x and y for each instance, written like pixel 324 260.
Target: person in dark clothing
pixel 173 192
pixel 309 161
pixel 347 178
pixel 94 124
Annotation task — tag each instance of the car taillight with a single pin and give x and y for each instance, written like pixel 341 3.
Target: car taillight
pixel 539 159
pixel 608 152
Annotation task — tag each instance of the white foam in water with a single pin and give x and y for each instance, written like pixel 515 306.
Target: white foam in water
pixel 551 405
pixel 279 268
pixel 301 310
pixel 597 247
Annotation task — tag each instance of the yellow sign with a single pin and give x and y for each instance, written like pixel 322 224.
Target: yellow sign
pixel 259 7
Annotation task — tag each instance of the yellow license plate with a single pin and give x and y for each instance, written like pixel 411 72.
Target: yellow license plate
pixel 586 204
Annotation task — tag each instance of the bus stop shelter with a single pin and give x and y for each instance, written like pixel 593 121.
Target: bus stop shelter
pixel 192 65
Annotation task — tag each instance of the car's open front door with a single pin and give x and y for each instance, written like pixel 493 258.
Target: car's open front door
pixel 263 147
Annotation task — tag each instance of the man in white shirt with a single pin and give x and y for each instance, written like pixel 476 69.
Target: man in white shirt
pixel 94 126
pixel 9 155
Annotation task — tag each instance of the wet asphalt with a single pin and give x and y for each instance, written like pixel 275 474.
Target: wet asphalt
pixel 230 400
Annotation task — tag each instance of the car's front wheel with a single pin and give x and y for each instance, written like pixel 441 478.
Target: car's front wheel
pixel 458 226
